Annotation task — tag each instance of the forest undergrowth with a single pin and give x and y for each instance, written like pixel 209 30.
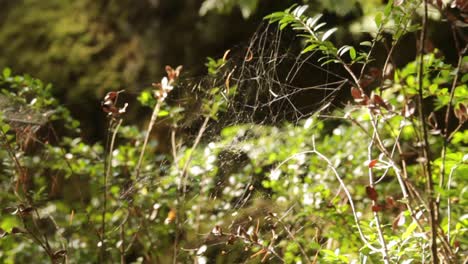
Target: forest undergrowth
pixel 259 161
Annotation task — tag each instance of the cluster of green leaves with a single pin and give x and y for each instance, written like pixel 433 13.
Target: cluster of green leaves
pixel 316 39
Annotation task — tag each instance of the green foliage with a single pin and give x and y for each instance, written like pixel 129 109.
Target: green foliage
pixel 316 39
pixel 350 187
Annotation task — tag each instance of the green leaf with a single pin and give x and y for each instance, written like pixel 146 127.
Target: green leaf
pixel 352 53
pixel 163 113
pixel 464 78
pixel 5 128
pixel 6 72
pixel 319 26
pixel 329 61
pixel 343 50
pixel 300 10
pixel 328 33
pixel 312 21
pixel 366 43
pixel 378 19
pixel 309 48
pixel 388 8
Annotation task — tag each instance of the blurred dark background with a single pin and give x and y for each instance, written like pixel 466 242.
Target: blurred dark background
pixel 86 48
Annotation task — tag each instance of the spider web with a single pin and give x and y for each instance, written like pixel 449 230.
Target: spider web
pixel 275 85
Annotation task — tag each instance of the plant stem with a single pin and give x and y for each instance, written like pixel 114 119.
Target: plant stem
pixel 426 147
pixel 371 184
pixel 106 177
pixel 154 116
pixel 189 159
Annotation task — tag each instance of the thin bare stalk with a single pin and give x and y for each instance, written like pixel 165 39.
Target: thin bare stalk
pixel 184 172
pixel 106 178
pixel 374 203
pixel 447 118
pixel 182 186
pixel 426 147
pixel 122 241
pixel 449 203
pixel 154 116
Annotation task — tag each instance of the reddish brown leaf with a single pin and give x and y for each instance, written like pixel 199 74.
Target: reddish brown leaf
pixel 372 163
pixel 371 193
pixel 390 202
pixel 375 73
pixel 376 208
pixel 379 101
pixel 108 104
pixel 356 93
pixel 173 74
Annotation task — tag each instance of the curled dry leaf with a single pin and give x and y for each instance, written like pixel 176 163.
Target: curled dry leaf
pixel 108 104
pixel 378 101
pixel 376 208
pixel 228 78
pixel 226 53
pixel 409 109
pixel 217 231
pixel 231 240
pixel 371 193
pixel 461 113
pixel 173 74
pixel 359 96
pixel 249 55
pixel 356 93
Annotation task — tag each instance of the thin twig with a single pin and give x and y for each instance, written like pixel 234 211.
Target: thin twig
pixel 447 118
pixel 154 116
pixel 106 178
pixel 184 172
pixel 426 147
pixel 371 184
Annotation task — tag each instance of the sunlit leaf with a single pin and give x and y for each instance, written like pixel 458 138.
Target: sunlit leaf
pixel 328 33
